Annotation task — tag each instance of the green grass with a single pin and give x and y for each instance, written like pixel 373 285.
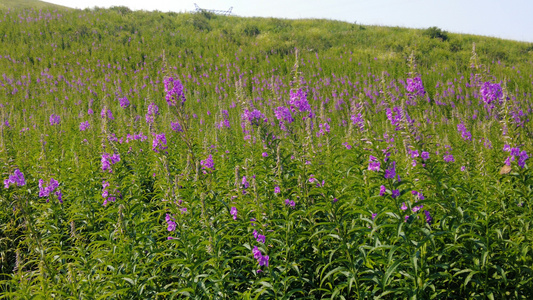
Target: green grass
pixel 35 4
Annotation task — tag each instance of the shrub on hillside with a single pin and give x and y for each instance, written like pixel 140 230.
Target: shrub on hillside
pixel 436 33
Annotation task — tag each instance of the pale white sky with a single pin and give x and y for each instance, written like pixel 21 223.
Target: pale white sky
pixel 509 19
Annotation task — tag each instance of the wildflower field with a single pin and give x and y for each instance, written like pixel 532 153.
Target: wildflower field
pixel 166 156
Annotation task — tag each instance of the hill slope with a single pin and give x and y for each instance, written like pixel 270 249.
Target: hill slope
pixel 23 4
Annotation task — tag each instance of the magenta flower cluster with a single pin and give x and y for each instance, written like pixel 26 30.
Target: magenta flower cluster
pixel 54 119
pixel 153 110
pixel 106 113
pixel 255 117
pixel 16 178
pixel 390 173
pixel 105 193
pixel 124 102
pixel 415 87
pixel 84 125
pixel 108 160
pixel 491 92
pixel 171 222
pixel 208 163
pixel 233 212
pixel 45 191
pixel 298 102
pixel 159 143
pixel 176 126
pixel 261 259
pixel 174 91
pixel 465 134
pixel 395 116
pixel 514 153
pixel 373 164
pixel 359 121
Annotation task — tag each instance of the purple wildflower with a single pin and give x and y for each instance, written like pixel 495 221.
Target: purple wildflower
pixel 254 117
pixel 373 164
pixel 425 155
pixel 522 158
pixel 290 203
pixel 465 134
pixel 17 178
pixel 395 193
pixel 208 163
pixel 54 119
pixel 448 158
pixel 233 212
pixel 174 91
pixel 323 128
pixel 124 102
pixel 159 142
pixel 263 261
pixel 417 208
pixel 153 110
pixel 259 237
pixel 359 121
pixel 390 173
pixel 171 224
pixel 283 114
pixel 257 253
pixel 244 183
pixel 415 87
pixel 84 125
pixel 491 92
pixel 176 126
pixel 382 190
pixel 298 100
pixel 428 217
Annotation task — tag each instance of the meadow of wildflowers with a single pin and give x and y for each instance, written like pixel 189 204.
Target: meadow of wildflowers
pixel 159 156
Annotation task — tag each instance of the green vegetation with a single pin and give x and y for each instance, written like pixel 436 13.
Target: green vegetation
pixel 150 155
pixel 30 4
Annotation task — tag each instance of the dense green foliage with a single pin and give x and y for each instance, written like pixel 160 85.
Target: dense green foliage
pixel 163 223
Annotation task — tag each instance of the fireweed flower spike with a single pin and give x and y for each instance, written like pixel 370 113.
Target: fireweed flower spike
pixel 390 173
pixel 373 164
pixel 124 102
pixel 261 259
pixel 84 125
pixel 17 178
pixel 159 143
pixel 153 110
pixel 54 119
pixel 171 224
pixel 382 190
pixel 415 87
pixel 45 191
pixel 208 163
pixel 428 217
pixel 233 212
pixel 490 93
pixel 290 203
pixel 174 91
pixel 424 155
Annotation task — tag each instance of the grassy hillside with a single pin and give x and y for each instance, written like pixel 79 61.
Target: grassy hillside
pixel 150 155
pixel 25 4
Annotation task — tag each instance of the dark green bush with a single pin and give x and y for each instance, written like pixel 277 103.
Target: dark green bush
pixel 251 30
pixel 436 33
